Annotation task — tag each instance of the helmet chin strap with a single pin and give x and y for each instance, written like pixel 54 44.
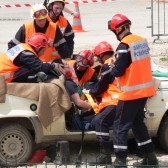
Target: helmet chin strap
pixel 34 49
pixel 121 34
pixel 51 10
pixel 55 14
pixel 37 52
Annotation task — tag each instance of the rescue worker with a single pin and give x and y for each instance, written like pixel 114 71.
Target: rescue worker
pixel 65 9
pixel 22 60
pixel 107 107
pixel 57 45
pixel 55 8
pixel 133 69
pixel 85 75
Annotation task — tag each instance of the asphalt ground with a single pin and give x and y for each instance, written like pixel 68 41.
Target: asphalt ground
pixel 94 18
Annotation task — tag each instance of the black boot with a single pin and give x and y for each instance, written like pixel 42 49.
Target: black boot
pixel 149 159
pixel 50 153
pixel 104 157
pixel 118 163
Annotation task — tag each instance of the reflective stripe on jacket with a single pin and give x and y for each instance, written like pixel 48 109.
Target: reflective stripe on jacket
pixel 50 53
pixel 7 68
pixel 137 82
pixel 111 95
pixel 62 23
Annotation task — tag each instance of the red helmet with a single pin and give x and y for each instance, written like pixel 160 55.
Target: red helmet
pixel 85 58
pixel 117 22
pixel 38 40
pixel 103 47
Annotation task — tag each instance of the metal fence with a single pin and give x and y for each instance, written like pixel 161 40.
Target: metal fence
pixel 159 18
pixel 87 166
pixel 83 164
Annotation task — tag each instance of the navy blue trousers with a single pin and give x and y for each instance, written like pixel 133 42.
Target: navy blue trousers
pixel 102 122
pixel 130 115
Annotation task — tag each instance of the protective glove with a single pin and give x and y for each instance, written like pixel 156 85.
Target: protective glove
pixel 41 76
pixel 86 91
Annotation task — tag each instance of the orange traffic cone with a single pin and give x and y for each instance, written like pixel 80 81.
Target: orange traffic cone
pixel 77 24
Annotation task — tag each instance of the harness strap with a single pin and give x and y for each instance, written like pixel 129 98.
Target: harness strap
pixel 92 102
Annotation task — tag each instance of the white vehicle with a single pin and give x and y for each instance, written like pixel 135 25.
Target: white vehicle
pixel 21 128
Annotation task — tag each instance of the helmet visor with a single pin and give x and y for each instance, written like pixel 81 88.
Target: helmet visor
pixel 82 61
pixel 40 14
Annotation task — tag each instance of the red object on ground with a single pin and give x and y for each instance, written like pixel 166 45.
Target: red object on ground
pixel 37 156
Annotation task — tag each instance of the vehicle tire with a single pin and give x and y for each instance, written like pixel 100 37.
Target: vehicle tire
pixel 163 135
pixel 16 144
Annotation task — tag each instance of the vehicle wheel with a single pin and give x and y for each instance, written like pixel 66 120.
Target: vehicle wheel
pixel 15 144
pixel 163 134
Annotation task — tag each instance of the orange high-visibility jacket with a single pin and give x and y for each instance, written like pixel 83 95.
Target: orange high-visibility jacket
pixel 88 74
pixel 7 68
pixel 62 23
pixel 137 82
pixel 50 53
pixel 111 95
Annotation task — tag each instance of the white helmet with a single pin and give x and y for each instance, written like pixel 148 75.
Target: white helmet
pixel 52 1
pixel 38 11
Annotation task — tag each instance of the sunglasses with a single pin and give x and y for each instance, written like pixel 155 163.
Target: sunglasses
pixel 39 13
pixel 82 61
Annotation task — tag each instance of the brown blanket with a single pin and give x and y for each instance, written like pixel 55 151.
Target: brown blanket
pixel 2 89
pixel 53 99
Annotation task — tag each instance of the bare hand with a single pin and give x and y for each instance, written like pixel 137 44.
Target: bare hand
pixel 59 68
pixel 111 64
